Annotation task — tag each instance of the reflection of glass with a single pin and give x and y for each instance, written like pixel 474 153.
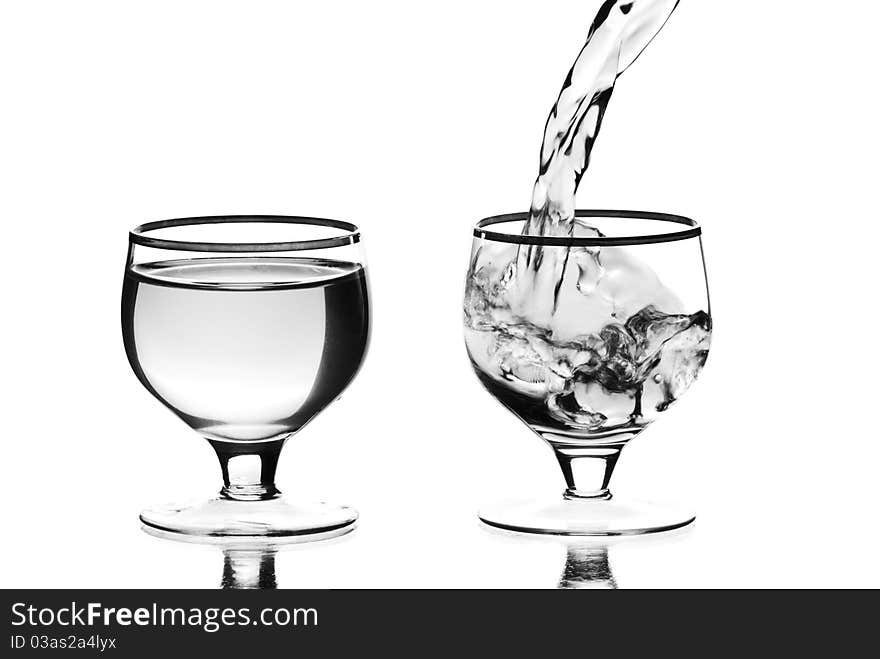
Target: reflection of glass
pixel 246 327
pixel 588 338
pixel 249 561
pixel 572 562
pixel 249 567
pixel 587 566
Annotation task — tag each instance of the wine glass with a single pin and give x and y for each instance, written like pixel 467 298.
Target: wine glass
pixel 246 327
pixel 588 337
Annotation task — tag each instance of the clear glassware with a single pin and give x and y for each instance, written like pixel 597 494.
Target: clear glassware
pixel 588 338
pixel 246 327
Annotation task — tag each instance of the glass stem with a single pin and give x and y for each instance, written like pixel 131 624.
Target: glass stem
pixel 587 470
pixel 248 469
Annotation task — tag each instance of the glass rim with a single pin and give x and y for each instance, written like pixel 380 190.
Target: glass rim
pixel 137 235
pixel 693 230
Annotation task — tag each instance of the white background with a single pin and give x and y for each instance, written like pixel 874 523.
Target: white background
pixel 414 120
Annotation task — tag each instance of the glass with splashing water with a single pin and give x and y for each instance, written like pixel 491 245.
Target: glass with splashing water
pixel 588 338
pixel 246 327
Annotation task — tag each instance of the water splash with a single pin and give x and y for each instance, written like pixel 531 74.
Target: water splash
pixel 619 33
pixel 584 338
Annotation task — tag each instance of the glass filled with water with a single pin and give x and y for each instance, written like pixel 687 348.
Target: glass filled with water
pixel 246 327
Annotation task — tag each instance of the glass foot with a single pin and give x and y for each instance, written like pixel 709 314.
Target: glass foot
pixel 271 518
pixel 586 517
